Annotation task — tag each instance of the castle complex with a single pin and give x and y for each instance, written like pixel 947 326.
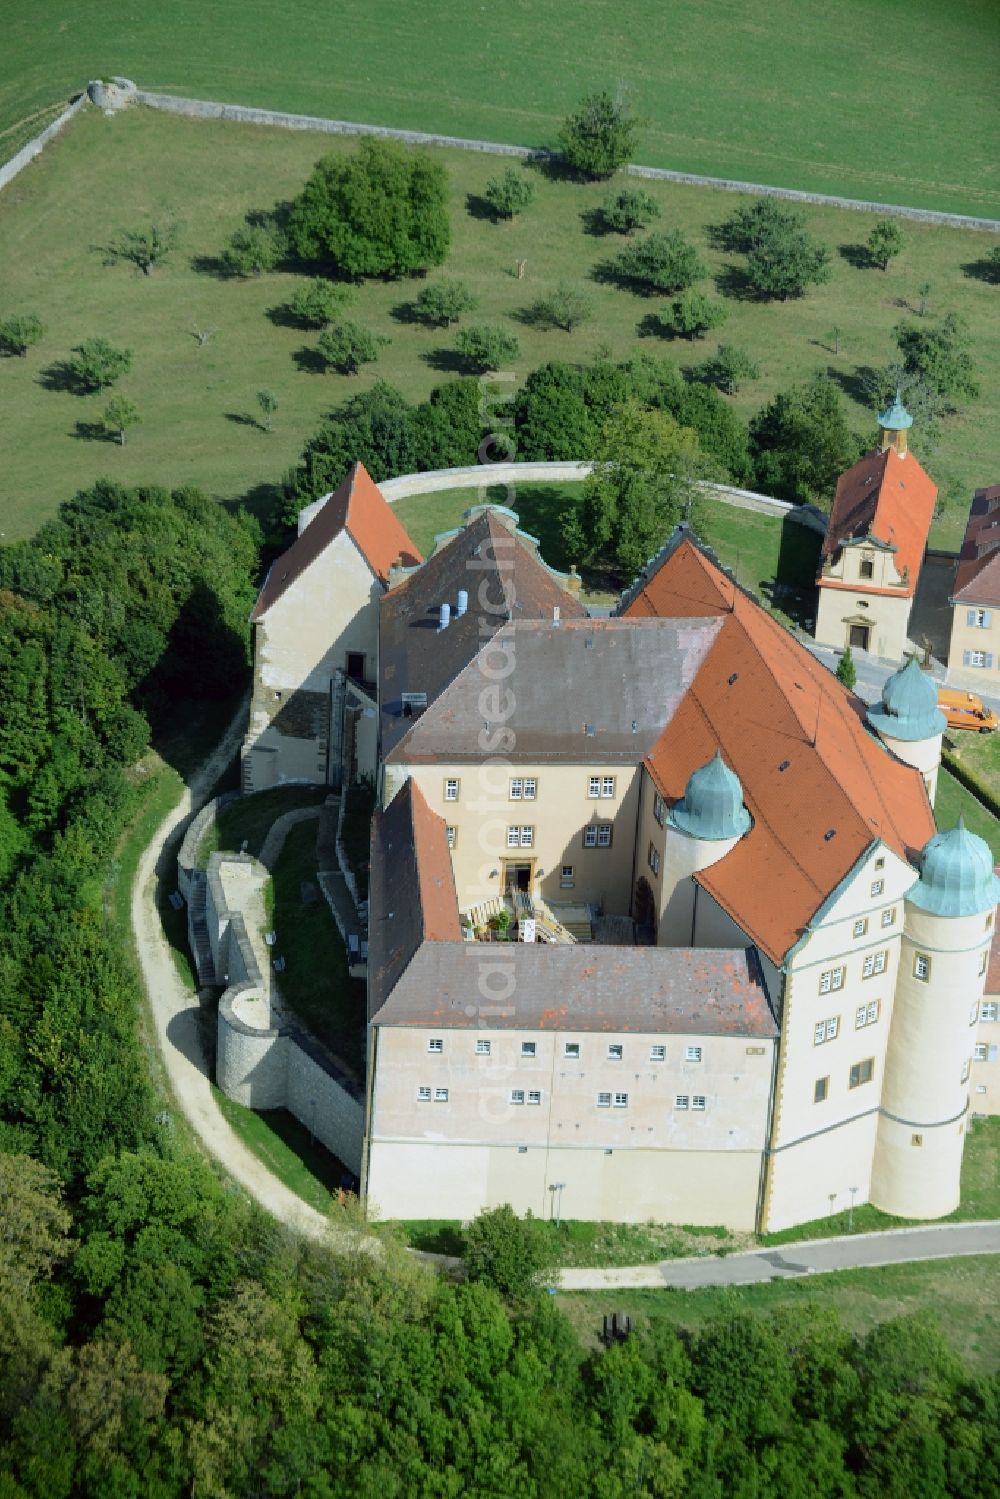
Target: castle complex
pixel 659 919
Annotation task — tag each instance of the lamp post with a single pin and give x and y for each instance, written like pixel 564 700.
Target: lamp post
pixel 850 1216
pixel 557 1201
pixel 833 1197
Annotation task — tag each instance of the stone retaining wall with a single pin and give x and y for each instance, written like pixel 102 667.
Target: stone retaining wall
pixel 27 153
pixel 187 855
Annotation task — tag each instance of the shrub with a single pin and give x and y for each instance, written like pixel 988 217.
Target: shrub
pixel 508 1253
pixel 253 249
pixel 510 193
pixel 629 209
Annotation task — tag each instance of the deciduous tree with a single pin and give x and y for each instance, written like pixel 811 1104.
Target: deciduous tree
pixel 119 414
pixel 629 209
pixel 599 136
pixel 146 247
pixel 347 346
pixel 564 307
pixel 884 243
pixel 659 263
pixel 510 193
pixel 693 314
pixel 444 302
pixel 19 332
pixel 319 303
pixel 252 249
pixel 800 442
pixel 486 346
pixel 96 363
pixel 511 1254
pixel 728 368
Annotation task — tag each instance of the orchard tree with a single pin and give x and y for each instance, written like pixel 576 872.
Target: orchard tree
pixel 884 243
pixel 319 303
pixel 600 136
pixel 96 363
pixel 659 263
pixel 119 414
pixel 566 307
pixel 253 249
pixel 783 265
pixel 629 209
pixel 20 332
pixel 381 212
pixel 347 346
pixel 938 354
pixel 443 302
pixel 268 403
pixel 693 314
pixel 800 442
pixel 728 368
pixel 146 247
pixel 756 223
pixel 485 346
pixel 509 194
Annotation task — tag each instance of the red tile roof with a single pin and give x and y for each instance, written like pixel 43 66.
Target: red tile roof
pixel 798 742
pixel 978 578
pixel 357 507
pixel 890 499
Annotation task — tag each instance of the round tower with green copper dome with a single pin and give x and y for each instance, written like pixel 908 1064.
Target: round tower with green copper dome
pixel 708 821
pixel 712 805
pixel 948 919
pixel 909 721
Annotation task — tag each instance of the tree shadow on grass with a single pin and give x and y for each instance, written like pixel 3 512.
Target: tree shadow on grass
pixel 732 281
pixel 554 166
pixel 447 361
pixel 93 432
pixel 61 376
pixel 595 223
pixel 244 419
pixel 859 383
pixel 477 207
pixel 982 270
pixel 409 315
pixel 856 256
pixel 309 361
pixel 211 265
pixel 653 326
pixel 282 316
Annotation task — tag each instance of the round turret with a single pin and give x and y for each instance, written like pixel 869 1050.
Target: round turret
pixel 712 805
pixel 956 875
pixel 909 707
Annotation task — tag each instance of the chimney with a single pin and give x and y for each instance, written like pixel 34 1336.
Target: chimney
pixel 444 617
pixel 462 603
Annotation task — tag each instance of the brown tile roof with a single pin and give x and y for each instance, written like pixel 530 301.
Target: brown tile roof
pixel 504 579
pixel 889 498
pixel 808 766
pixel 614 990
pixel 589 690
pixel 978 578
pixel 412 896
pixel 357 507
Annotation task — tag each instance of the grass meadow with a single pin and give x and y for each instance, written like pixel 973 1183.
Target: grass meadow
pixel 198 404
pixel 864 98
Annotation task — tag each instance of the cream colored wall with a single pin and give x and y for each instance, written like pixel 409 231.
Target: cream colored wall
pixel 674 890
pixel 847 567
pixel 559 814
pixel 925 1095
pixel 808 1163
pixel 680 1166
pixel 923 754
pixel 888 616
pixel 966 637
pixel 986 1073
pixel 330 610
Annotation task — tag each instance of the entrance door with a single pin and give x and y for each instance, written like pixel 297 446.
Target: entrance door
pixel 859 636
pixel 517 877
pixel 356 665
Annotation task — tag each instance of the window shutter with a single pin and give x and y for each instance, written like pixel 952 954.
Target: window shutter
pixel 987 618
pixel 966 658
pixel 992 1054
pixel 970 616
pixel 989 659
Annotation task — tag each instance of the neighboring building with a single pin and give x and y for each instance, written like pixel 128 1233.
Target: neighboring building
pixel 316 637
pixel 986 1052
pixel 975 628
pixel 874 546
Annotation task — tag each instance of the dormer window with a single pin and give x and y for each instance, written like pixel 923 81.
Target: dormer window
pixel 866 567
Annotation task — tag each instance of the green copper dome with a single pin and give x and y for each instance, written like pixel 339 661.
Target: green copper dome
pixel 909 707
pixel 956 875
pixel 897 418
pixel 712 806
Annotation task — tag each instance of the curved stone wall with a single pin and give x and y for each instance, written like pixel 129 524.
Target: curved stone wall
pixel 187 854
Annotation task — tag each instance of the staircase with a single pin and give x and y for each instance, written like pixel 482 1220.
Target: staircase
pixel 201 948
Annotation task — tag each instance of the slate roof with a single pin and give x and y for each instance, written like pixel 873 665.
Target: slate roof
pixel 615 990
pixel 504 580
pixel 412 897
pixel 892 499
pixel 357 507
pixel 977 580
pixel 597 690
pixel 797 740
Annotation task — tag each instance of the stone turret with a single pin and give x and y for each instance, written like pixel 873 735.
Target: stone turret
pixel 947 932
pixel 702 827
pixel 910 723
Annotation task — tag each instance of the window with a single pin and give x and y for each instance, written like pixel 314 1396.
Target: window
pixel 682 1101
pixel 866 1014
pixel 988 1010
pixel 888 915
pixel 435 1044
pixel 423 1095
pixel 981 1088
pixel 621 1100
pixel 517 1095
pixel 989 920
pixel 862 1072
pixel 980 1053
pixel 594 787
pixel 451 832
pixel 571 1051
pixel 821 1090
pixel 831 979
pixel 604 1100
pixel 523 788
pixel 978 658
pixel 607 787
pixel 826 1030
pixel 880 862
pixel 659 808
pixel 866 568
pixel 916 1139
pixel 520 837
pixel 984 958
pixel 657 1053
pixel 692 1053
pixel 482 1048
pixel 874 963
pixel 440 1095
pixel 860 927
pixel 566 880
pixel 698 1103
pixel 616 1051
pixel 653 859
pixel 877 887
pixel 534 1095
pixel 978 619
pixel 451 791
pixel 528 1048
pixel 921 966
pixel 597 835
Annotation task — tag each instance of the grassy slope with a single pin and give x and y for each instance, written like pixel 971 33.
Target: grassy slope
pixel 960 1291
pixel 869 98
pixel 249 820
pixel 195 402
pixel 953 801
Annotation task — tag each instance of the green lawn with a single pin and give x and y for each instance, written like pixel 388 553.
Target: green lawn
pixel 286 1149
pixel 864 98
pixel 961 1291
pixel 249 820
pixel 953 801
pixel 198 404
pixel 315 983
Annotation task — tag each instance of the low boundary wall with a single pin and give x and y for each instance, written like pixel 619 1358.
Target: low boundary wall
pixel 27 153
